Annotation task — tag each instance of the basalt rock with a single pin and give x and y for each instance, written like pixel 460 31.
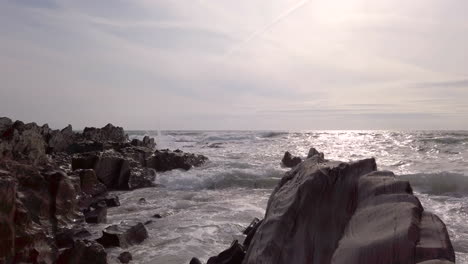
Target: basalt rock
pixel 334 212
pixel 123 235
pixel 290 161
pixel 165 160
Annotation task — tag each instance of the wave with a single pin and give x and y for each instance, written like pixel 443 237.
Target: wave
pixel 273 134
pixel 448 183
pixel 445 140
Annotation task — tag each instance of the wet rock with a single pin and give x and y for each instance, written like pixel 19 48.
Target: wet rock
pixel 165 160
pixel 434 241
pixel 138 154
pixel 142 201
pixel 65 237
pixel 124 235
pixel 195 261
pixel 158 216
pixel 233 255
pixel 250 232
pixel 96 213
pixel 112 201
pixel 83 252
pixel 125 257
pixel 107 133
pixel 141 178
pixel 290 161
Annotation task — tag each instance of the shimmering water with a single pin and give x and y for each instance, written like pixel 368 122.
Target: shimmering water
pixel 205 208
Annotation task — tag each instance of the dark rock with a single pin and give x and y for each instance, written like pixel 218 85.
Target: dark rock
pixel 138 154
pixel 164 160
pixel 97 213
pixel 313 152
pixel 142 201
pixel 107 133
pixel 85 146
pixel 334 212
pixel 148 222
pixel 157 216
pixel 89 183
pixel 112 201
pixel 83 252
pixel 5 124
pixel 250 232
pixel 123 235
pixel 233 255
pixel 125 257
pixel 195 261
pixel 290 161
pixel 141 178
pixel 65 237
pixel 147 142
pixel 60 141
pixel 7 216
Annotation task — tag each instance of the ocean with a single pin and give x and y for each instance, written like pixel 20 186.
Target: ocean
pixel 204 209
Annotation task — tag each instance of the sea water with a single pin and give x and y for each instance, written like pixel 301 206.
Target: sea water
pixel 204 209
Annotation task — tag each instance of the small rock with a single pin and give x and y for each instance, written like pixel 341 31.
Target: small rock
pixel 123 235
pixel 157 216
pixel 96 214
pixel 142 201
pixel 195 261
pixel 125 257
pixel 290 161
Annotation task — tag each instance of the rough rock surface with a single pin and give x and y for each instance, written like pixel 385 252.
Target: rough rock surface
pixel 83 252
pixel 107 133
pixel 289 161
pixel 124 235
pixel 333 212
pixel 164 160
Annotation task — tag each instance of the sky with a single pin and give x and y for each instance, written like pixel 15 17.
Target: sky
pixel 236 65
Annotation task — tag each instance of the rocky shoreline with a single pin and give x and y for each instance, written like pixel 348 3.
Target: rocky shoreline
pixel 55 183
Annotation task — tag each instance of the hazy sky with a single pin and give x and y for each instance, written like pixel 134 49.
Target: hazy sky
pixel 243 64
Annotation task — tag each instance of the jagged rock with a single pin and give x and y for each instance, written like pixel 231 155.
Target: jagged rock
pixel 290 161
pixel 123 235
pixel 232 255
pixel 110 167
pixel 250 232
pixel 147 142
pixel 313 152
pixel 164 160
pixel 107 133
pixel 334 212
pixel 138 154
pixel 125 257
pixel 112 200
pixel 141 178
pixel 60 141
pixel 142 201
pixel 195 261
pixel 83 252
pixel 5 123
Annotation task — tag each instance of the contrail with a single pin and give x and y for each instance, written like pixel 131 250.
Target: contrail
pixel 277 20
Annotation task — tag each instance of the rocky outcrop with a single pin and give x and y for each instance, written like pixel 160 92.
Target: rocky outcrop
pixel 60 141
pixel 123 235
pixel 165 160
pixel 7 216
pixel 105 134
pixel 147 142
pixel 334 212
pixel 289 161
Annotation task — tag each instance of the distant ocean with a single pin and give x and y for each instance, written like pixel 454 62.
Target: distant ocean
pixel 205 208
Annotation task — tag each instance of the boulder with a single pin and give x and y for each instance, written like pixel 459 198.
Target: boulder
pixel 66 237
pixel 97 213
pixel 165 160
pixel 334 212
pixel 60 141
pixel 124 235
pixel 289 161
pixel 89 182
pixel 232 255
pixel 313 152
pixel 147 142
pixel 107 133
pixel 125 257
pixel 141 178
pixel 83 252
pixel 5 124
